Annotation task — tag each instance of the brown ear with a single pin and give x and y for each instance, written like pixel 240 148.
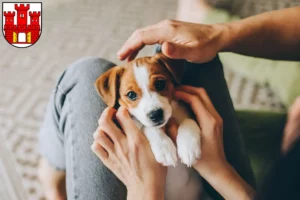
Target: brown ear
pixel 175 67
pixel 107 85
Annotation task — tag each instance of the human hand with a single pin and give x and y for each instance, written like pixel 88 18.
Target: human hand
pixel 128 155
pixel 212 165
pixel 180 40
pixel 211 126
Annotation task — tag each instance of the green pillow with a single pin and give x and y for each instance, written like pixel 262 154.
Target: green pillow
pixel 282 76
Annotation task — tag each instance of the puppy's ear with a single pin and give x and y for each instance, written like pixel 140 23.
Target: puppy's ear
pixel 175 67
pixel 107 85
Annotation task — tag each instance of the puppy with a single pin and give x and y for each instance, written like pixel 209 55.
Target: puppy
pixel 145 87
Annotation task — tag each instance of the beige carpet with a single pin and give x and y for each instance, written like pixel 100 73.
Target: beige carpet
pixel 72 29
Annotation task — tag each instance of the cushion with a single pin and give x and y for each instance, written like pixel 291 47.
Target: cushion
pixel 262 133
pixel 282 76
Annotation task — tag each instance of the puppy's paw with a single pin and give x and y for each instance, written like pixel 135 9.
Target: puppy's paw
pixel 188 142
pixel 165 152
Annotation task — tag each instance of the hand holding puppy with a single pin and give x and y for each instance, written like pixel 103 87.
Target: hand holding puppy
pixel 128 155
pixel 212 165
pixel 211 126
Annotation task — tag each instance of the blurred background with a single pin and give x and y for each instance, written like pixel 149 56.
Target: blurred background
pixel 72 29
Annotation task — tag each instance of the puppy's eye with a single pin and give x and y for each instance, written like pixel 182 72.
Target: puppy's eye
pixel 132 95
pixel 160 85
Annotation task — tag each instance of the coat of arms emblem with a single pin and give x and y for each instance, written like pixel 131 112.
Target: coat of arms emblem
pixel 22 23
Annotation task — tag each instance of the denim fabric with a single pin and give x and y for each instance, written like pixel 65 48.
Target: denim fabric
pixel 72 115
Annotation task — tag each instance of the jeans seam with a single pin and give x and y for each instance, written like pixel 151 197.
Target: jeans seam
pixel 60 90
pixel 58 86
pixel 75 195
pixel 73 140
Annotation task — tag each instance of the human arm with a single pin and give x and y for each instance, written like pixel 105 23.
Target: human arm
pixel 273 35
pixel 127 153
pixel 212 165
pixel 292 127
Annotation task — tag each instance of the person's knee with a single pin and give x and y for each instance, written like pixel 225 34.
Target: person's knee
pixel 90 67
pixel 83 71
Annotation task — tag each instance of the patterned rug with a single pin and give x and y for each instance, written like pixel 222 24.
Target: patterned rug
pixel 73 29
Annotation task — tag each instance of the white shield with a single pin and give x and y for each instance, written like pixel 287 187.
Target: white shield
pixel 22 23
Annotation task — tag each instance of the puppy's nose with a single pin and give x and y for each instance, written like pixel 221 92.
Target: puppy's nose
pixel 156 115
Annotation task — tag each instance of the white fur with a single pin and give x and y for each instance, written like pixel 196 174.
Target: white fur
pixel 182 182
pixel 150 100
pixel 188 138
pixel 188 142
pixel 162 146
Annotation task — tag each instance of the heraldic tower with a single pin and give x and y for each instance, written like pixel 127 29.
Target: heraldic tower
pixel 32 30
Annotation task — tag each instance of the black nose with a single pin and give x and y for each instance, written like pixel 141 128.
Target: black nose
pixel 156 115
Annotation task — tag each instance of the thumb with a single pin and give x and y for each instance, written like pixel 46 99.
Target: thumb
pixel 126 123
pixel 176 51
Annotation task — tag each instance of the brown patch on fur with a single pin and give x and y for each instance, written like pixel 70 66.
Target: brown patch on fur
pixel 117 82
pixel 175 67
pixel 107 85
pixel 127 84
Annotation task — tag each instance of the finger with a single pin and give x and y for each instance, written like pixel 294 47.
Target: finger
pixel 99 151
pixel 178 51
pixel 201 93
pixel 147 36
pixel 200 111
pixel 132 55
pixel 127 124
pixel 172 129
pixel 104 140
pixel 107 124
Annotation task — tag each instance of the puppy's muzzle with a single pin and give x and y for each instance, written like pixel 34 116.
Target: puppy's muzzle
pixel 156 116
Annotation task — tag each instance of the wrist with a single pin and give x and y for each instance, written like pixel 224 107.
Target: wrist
pixel 224 38
pixel 226 175
pixel 145 192
pixel 210 170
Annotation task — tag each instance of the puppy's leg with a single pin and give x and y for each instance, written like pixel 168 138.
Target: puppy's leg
pixel 162 146
pixel 53 181
pixel 188 142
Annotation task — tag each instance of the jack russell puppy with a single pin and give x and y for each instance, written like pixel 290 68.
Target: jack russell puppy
pixel 145 87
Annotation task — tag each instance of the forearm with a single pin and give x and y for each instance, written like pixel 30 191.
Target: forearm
pixel 274 35
pixel 227 182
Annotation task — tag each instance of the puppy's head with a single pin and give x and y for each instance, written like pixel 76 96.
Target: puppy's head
pixel 144 86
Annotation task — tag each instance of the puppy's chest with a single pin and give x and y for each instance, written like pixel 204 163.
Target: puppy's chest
pixel 179 111
pixel 183 183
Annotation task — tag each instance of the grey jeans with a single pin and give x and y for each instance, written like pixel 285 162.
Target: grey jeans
pixel 74 108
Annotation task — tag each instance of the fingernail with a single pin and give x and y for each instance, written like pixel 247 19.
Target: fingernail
pixel 96 133
pixel 170 49
pixel 93 147
pixel 120 56
pixel 119 52
pixel 95 136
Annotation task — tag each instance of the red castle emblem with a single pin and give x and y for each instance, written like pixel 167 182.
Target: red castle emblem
pixel 22 23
